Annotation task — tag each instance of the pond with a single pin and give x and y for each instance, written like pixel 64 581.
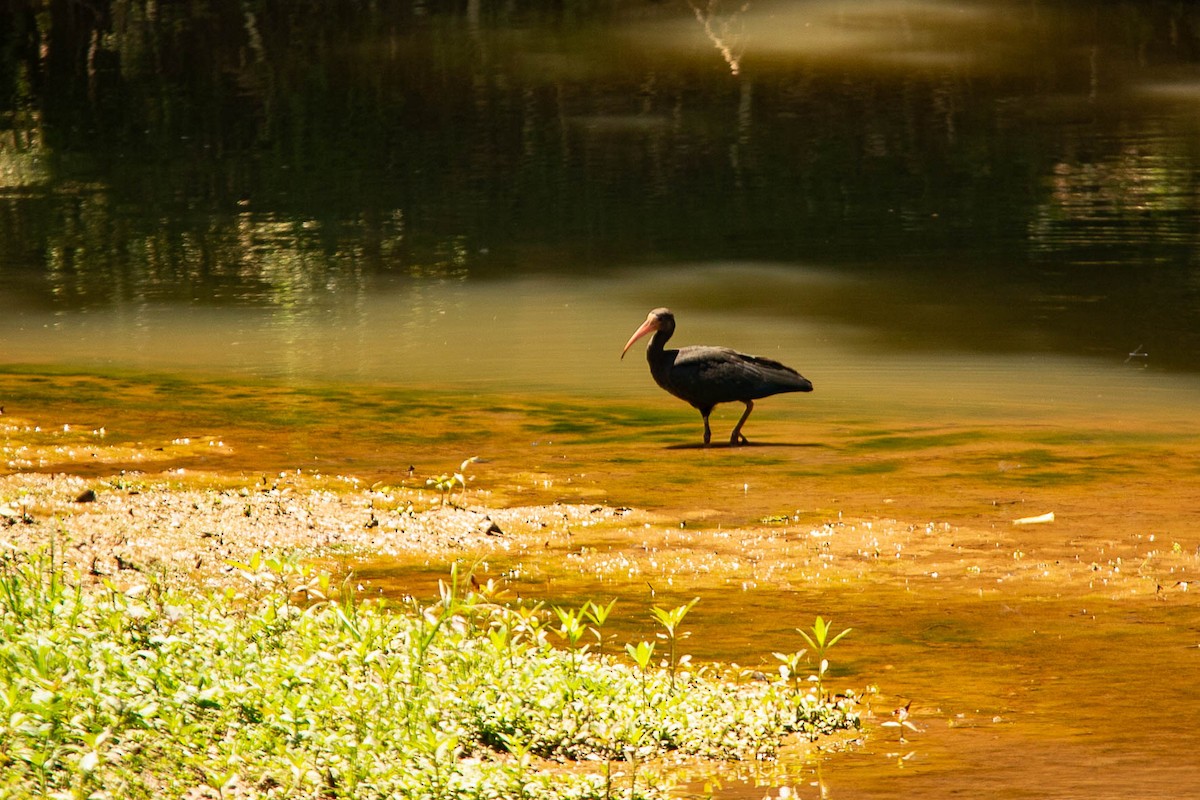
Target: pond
pixel 411 233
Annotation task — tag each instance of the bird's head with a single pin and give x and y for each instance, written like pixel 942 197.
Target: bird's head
pixel 660 319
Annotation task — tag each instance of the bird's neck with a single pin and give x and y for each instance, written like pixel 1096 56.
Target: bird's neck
pixel 660 360
pixel 657 342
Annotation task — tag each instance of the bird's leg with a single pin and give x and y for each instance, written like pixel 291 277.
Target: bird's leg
pixel 707 430
pixel 737 437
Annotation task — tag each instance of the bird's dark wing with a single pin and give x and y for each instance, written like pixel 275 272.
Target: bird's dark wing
pixel 705 376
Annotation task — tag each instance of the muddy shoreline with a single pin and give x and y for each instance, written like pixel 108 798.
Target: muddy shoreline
pixel 131 527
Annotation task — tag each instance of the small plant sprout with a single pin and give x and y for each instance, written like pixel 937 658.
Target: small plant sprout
pixel 598 615
pixel 571 625
pixel 641 655
pixel 631 755
pixel 444 484
pixel 527 624
pixel 820 642
pixel 670 621
pixel 789 669
pixel 522 758
pixel 571 628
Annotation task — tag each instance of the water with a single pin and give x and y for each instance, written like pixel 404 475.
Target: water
pixel 412 234
pixel 986 174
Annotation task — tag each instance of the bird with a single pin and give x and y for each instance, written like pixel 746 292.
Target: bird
pixel 705 376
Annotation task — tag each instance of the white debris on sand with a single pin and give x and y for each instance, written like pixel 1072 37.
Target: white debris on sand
pixel 130 527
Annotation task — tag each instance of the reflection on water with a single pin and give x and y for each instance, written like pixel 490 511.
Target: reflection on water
pixel 1108 210
pixel 859 36
pixel 22 159
pixel 981 159
pixel 724 29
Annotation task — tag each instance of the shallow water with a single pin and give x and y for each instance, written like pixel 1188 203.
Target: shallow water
pixel 1036 657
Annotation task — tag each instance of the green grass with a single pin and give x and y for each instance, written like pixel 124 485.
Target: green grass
pixel 162 692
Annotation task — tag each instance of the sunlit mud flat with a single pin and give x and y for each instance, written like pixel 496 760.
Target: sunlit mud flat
pixel 1026 581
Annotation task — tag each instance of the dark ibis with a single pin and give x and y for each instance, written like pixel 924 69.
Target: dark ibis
pixel 705 376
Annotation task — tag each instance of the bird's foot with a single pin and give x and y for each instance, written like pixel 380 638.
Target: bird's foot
pixel 738 439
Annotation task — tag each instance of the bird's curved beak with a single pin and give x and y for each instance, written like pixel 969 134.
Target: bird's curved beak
pixel 651 324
